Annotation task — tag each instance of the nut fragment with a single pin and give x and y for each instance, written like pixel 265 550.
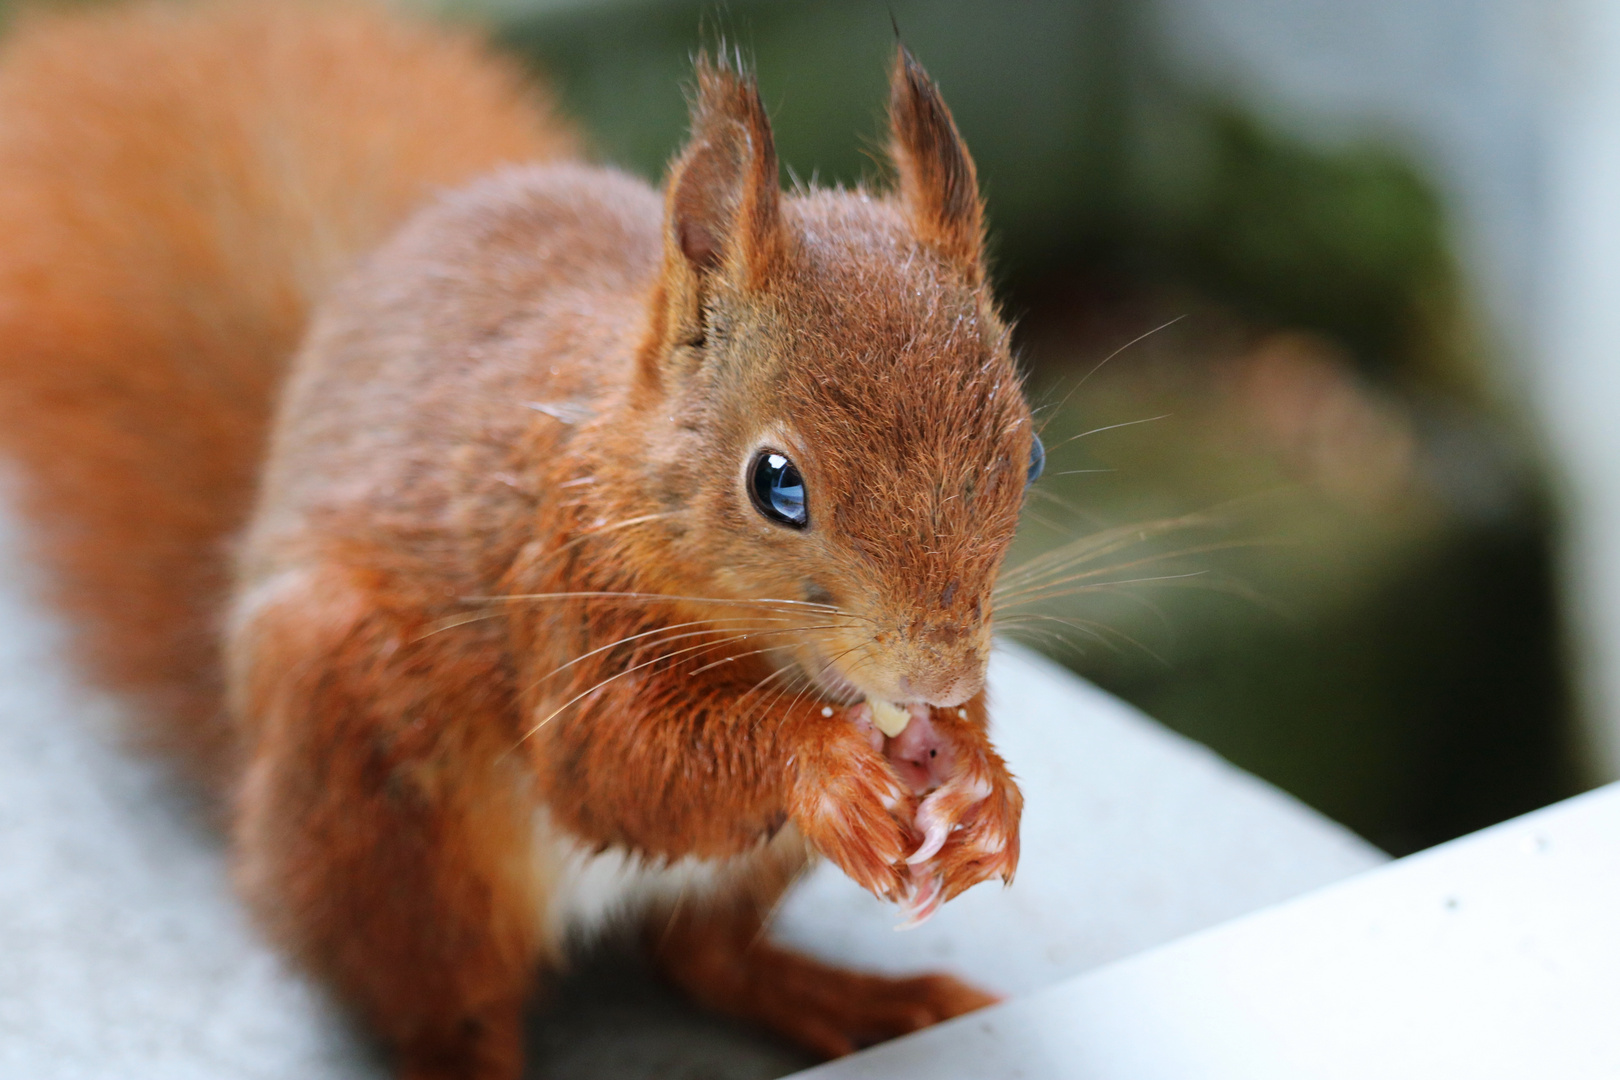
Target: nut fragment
pixel 890 719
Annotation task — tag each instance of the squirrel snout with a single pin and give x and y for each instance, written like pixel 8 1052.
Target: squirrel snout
pixel 938 663
pixel 940 636
pixel 940 695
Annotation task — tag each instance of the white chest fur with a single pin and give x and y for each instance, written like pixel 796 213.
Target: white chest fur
pixel 584 892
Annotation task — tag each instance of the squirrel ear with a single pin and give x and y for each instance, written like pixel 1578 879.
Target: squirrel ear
pixel 722 211
pixel 938 183
pixel 723 207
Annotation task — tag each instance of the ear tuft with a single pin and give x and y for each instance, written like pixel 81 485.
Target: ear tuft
pixel 722 215
pixel 938 183
pixel 724 195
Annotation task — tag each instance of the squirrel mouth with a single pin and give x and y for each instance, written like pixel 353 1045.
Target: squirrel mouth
pixel 834 685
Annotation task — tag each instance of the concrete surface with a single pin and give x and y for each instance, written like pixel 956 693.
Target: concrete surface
pixel 123 955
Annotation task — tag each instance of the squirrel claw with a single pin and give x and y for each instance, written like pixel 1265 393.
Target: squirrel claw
pixel 968 822
pixel 934 834
pixel 920 900
pixel 859 797
pixel 848 802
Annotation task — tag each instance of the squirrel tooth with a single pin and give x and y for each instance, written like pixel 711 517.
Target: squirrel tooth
pixel 890 719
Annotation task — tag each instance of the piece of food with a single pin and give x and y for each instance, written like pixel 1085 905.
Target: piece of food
pixel 889 719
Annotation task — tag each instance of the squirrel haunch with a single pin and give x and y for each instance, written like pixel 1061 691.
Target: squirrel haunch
pixel 502 603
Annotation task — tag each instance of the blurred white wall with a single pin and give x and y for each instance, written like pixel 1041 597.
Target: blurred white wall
pixel 1513 106
pixel 1577 357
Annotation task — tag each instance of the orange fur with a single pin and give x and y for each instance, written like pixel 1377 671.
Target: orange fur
pixel 720 959
pixel 503 601
pixel 177 185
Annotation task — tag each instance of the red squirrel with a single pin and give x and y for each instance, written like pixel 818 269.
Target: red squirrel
pixel 512 546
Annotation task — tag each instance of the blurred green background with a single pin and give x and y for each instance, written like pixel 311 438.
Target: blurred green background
pixel 1357 602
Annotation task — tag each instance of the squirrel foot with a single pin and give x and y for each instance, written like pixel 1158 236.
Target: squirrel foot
pixel 723 961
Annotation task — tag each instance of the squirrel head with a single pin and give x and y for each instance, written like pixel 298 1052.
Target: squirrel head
pixel 828 404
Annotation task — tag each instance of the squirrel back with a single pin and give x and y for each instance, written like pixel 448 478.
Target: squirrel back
pixel 178 183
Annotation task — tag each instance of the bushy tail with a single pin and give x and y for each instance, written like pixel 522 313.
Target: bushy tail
pixel 177 184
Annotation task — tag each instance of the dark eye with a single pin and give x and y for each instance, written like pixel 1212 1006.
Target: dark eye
pixel 1037 458
pixel 778 489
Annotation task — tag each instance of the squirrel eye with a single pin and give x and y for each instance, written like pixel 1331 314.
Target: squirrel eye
pixel 778 489
pixel 1037 459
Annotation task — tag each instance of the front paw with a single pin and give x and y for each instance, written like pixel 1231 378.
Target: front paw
pixel 967 821
pixel 849 802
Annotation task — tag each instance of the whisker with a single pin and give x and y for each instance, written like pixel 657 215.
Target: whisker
pixel 751 719
pixel 1062 575
pixel 1097 631
pixel 810 683
pixel 800 680
pixel 756 716
pixel 1097 586
pixel 1043 569
pixel 1139 338
pixel 687 651
pixel 1130 596
pixel 450 622
pixel 655 598
pixel 1045 635
pixel 613 678
pixel 756 652
pixel 1107 427
pixel 1060 500
pixel 1053 497
pixel 1219 584
pixel 1041 519
pixel 598 530
pixel 1050 579
pixel 1097 540
pixel 759 713
pixel 808 686
pixel 805 683
pixel 736 634
pixel 1094 545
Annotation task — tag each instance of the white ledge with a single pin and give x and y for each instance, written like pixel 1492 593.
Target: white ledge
pixel 1494 956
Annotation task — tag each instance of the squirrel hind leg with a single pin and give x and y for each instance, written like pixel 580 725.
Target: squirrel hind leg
pixel 723 960
pixel 380 835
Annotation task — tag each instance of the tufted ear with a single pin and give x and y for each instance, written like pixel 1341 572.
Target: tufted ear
pixel 724 202
pixel 722 210
pixel 939 186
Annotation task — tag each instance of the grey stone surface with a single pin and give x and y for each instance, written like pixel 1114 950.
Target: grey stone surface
pixel 123 955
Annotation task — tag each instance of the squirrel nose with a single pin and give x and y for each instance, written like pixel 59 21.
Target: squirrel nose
pixel 937 635
pixel 942 691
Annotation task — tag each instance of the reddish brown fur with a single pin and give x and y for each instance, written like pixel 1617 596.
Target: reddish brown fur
pixel 722 962
pixel 937 179
pixel 495 594
pixel 176 186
